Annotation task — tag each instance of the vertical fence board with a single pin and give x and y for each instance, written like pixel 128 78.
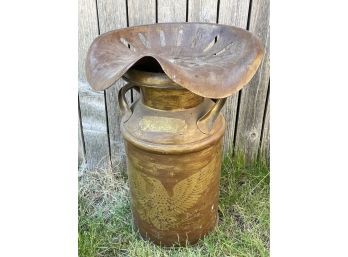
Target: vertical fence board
pixel 171 11
pixel 265 143
pixel 202 11
pixel 253 97
pixel 92 104
pixel 112 15
pixel 233 13
pixel 141 12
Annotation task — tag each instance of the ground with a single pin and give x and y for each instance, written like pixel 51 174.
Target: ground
pixel 106 229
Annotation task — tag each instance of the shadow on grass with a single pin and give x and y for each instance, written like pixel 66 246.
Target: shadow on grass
pixel 106 229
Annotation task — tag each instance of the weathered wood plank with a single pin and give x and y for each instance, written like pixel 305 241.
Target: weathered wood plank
pixel 171 11
pixel 202 11
pixel 141 12
pixel 265 141
pixel 233 13
pixel 93 118
pixel 112 15
pixel 253 97
pixel 92 104
pixel 88 30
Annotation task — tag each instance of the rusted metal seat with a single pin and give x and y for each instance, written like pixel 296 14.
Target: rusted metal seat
pixel 210 60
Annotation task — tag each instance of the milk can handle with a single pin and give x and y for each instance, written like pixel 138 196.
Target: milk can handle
pixel 122 102
pixel 206 122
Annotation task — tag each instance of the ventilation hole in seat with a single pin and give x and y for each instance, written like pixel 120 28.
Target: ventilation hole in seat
pixel 197 38
pixel 144 40
pixel 221 51
pixel 131 47
pixel 190 64
pixel 127 44
pixel 210 45
pixel 124 42
pixel 217 38
pixel 224 49
pixel 180 37
pixel 162 38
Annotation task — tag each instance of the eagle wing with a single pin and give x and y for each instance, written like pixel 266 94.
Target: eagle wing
pixel 188 191
pixel 151 199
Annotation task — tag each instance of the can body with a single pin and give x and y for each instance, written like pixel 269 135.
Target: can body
pixel 174 197
pixel 173 168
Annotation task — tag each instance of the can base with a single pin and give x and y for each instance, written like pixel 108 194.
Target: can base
pixel 174 239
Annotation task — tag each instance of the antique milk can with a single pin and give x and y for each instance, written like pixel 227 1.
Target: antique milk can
pixel 173 133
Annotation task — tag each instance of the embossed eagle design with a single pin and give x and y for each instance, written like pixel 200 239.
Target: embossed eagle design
pixel 162 209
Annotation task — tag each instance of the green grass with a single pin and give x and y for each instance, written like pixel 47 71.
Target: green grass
pixel 106 229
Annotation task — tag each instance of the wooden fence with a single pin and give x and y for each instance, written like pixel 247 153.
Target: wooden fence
pixel 246 113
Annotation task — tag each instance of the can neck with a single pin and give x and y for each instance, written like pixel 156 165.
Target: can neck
pixel 160 92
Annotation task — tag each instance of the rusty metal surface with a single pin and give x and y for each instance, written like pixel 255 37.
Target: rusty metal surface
pixel 210 60
pixel 173 167
pixel 174 197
